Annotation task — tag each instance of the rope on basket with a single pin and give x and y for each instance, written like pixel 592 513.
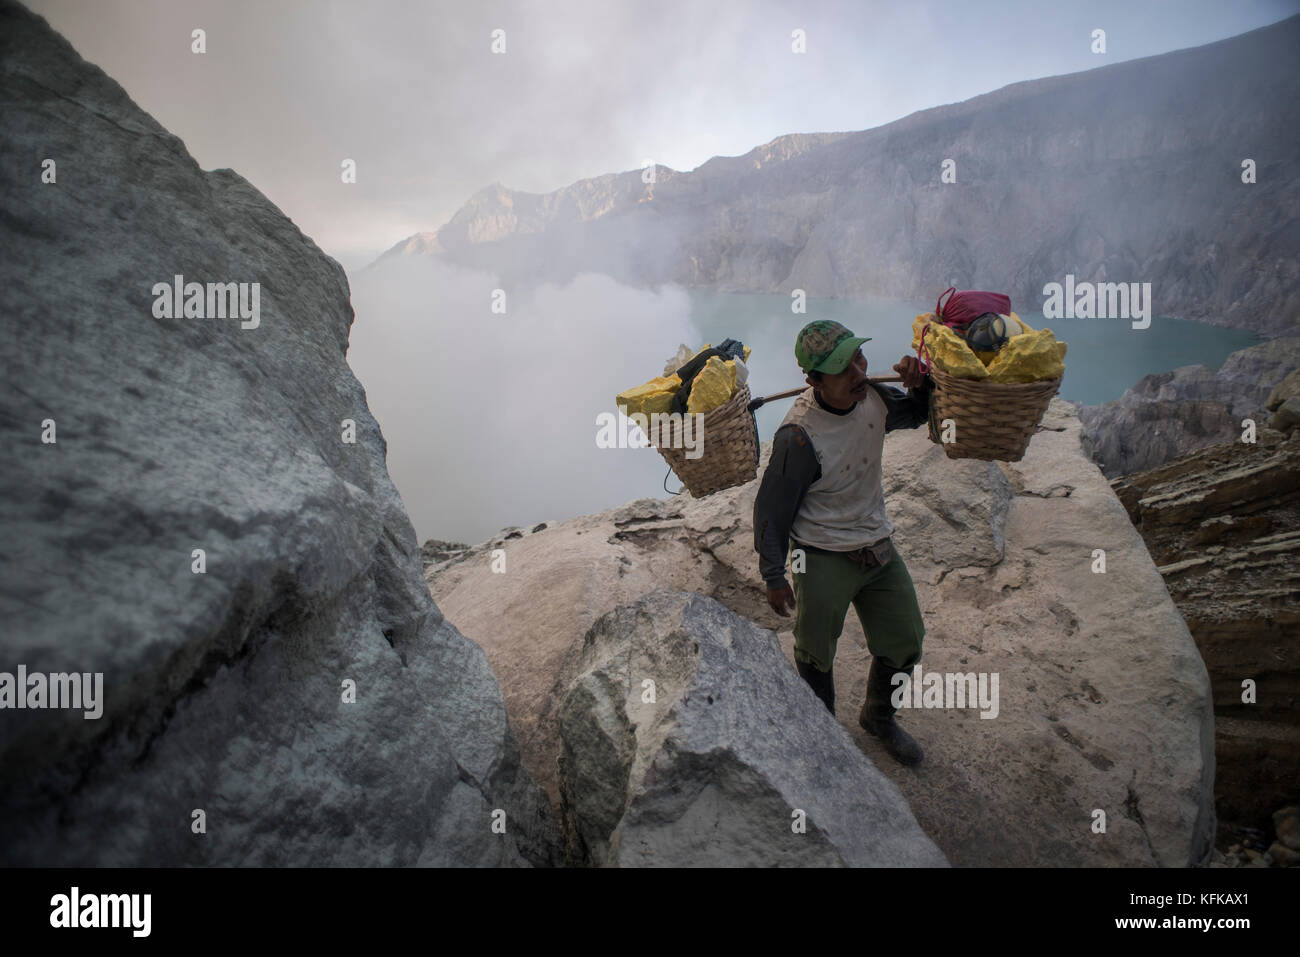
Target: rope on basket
pixel 666 489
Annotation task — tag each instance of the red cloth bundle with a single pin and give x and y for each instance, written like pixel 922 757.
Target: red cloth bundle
pixel 965 307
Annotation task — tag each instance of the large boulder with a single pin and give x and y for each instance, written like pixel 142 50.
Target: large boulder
pixel 185 512
pixel 1169 414
pixel 1104 702
pixel 689 741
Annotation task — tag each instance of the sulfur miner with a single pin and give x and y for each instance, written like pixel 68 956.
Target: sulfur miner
pixel 822 492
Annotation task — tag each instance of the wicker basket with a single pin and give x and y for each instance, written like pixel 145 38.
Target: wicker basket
pixel 730 454
pixel 994 420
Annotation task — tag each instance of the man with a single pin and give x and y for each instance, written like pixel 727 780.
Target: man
pixel 822 489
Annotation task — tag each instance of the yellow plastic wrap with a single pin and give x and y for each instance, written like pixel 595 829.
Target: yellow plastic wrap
pixel 1031 357
pixel 650 397
pixel 713 385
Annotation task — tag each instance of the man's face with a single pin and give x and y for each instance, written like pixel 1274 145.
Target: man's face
pixel 843 389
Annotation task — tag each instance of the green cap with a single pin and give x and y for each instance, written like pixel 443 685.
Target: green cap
pixel 826 346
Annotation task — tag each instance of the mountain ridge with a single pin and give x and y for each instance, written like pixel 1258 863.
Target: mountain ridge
pixel 1145 186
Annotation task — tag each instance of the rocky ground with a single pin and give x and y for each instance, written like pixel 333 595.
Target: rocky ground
pixel 1247 846
pixel 1105 702
pixel 1220 514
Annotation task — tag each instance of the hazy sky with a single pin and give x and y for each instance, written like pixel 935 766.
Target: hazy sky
pixel 491 419
pixel 411 91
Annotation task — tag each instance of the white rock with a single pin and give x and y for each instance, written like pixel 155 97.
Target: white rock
pixel 689 741
pixel 1105 702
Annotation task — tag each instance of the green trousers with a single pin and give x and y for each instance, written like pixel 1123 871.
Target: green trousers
pixel 882 596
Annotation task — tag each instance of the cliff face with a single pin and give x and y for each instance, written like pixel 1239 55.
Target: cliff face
pixel 196 509
pixel 1223 525
pixel 1168 414
pixel 1127 173
pixel 1104 701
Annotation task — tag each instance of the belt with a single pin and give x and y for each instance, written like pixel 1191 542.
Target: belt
pixel 868 556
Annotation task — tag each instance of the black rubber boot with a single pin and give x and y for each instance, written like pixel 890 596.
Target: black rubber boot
pixel 821 682
pixel 877 716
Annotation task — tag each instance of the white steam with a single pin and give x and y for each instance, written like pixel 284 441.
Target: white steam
pixel 491 419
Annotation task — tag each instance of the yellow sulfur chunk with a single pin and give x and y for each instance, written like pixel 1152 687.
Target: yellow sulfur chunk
pixel 940 348
pixel 1015 326
pixel 1028 356
pixel 714 385
pixel 919 323
pixel 1031 357
pixel 650 397
pixel 950 353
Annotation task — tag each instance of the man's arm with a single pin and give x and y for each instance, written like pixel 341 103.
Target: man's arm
pixel 791 469
pixel 906 410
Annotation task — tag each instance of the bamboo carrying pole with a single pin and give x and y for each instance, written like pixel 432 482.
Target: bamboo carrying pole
pixel 763 400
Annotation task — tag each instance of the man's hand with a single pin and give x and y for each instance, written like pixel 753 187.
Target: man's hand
pixel 779 598
pixel 910 372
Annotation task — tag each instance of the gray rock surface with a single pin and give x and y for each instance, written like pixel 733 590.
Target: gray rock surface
pixel 1105 702
pixel 1126 173
pixel 222 691
pixel 1168 414
pixel 1286 389
pixel 725 758
pixel 434 551
pixel 1287 416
